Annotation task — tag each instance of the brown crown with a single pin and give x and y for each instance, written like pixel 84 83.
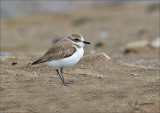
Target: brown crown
pixel 76 35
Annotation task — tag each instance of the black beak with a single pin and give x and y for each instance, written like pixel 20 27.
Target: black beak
pixel 85 42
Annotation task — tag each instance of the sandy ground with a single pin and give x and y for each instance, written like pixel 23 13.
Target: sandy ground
pixel 126 83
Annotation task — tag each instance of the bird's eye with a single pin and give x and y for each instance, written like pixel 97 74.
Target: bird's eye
pixel 76 39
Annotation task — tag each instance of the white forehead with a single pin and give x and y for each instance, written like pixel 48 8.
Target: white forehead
pixel 82 38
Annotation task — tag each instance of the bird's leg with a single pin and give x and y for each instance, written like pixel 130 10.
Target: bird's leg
pixel 61 70
pixel 63 77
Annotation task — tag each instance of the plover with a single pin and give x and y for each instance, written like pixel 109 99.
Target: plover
pixel 65 53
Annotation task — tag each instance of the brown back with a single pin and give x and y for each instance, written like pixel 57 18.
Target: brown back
pixel 62 49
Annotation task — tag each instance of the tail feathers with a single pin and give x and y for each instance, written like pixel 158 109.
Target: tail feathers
pixel 36 62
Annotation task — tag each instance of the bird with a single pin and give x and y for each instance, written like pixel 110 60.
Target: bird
pixel 64 54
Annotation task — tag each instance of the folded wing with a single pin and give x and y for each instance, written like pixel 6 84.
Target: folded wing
pixel 61 49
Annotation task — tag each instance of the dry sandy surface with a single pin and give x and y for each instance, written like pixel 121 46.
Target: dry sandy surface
pixel 127 83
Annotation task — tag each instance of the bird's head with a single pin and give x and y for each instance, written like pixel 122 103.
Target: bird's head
pixel 77 39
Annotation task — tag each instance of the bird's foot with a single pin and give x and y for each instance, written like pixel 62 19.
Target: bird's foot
pixel 65 83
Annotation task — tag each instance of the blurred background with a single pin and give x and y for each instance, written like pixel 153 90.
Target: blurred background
pixel 126 30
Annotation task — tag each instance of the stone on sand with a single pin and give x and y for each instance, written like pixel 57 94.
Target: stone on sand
pixel 5 54
pixel 103 34
pixel 135 46
pixel 155 43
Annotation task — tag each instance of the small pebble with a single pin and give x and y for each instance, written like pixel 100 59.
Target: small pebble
pixel 14 63
pixel 134 74
pixel 135 46
pixel 99 44
pixel 142 32
pixel 103 34
pixel 155 43
pixel 5 54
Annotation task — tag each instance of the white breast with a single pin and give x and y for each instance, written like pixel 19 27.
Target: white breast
pixel 67 62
